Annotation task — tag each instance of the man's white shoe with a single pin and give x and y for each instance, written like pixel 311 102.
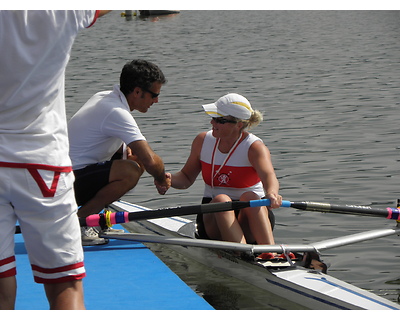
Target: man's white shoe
pixel 90 237
pixel 108 230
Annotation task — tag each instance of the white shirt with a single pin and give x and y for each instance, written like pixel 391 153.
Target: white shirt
pixel 35 49
pixel 100 127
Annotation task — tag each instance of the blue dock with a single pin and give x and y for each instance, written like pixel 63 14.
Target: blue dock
pixel 121 275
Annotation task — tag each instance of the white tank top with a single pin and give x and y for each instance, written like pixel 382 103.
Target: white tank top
pixel 229 173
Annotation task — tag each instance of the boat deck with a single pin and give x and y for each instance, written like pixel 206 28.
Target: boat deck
pixel 121 275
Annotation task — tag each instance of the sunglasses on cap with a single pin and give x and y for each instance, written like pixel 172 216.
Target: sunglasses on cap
pixel 153 95
pixel 223 120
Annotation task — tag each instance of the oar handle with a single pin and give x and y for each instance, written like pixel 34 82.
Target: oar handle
pixel 267 203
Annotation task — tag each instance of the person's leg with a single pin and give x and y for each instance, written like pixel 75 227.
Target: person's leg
pixel 8 291
pixel 52 239
pixel 124 175
pixel 65 296
pixel 223 225
pixel 255 222
pixel 8 285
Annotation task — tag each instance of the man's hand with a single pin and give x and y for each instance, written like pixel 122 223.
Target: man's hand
pixel 162 187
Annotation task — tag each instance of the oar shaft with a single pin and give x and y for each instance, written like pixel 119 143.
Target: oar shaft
pixel 124 217
pixel 188 210
pixel 389 213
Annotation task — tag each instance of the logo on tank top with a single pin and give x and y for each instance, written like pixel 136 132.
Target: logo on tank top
pixel 223 178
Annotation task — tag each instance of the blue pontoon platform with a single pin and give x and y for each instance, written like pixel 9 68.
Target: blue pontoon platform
pixel 121 275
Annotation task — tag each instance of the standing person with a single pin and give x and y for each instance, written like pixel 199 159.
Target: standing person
pixel 235 165
pixel 36 179
pixel 100 129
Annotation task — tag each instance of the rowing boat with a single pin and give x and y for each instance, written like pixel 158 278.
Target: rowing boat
pixel 292 279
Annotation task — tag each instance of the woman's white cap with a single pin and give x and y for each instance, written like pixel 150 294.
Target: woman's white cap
pixel 232 104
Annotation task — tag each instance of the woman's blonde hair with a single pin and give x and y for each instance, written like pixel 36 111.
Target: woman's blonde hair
pixel 255 119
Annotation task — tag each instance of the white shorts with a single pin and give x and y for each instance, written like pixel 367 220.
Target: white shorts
pixel 49 225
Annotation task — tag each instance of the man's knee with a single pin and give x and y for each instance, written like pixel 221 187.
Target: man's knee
pixel 126 170
pixel 65 295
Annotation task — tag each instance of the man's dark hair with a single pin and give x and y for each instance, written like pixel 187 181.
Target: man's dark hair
pixel 140 73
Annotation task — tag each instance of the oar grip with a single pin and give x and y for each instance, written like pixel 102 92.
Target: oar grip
pixel 393 213
pixel 260 203
pixel 267 203
pixel 90 221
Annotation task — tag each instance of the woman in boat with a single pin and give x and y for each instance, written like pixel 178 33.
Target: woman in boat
pixel 235 165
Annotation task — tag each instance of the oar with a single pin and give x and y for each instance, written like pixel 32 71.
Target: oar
pixel 110 218
pixel 389 213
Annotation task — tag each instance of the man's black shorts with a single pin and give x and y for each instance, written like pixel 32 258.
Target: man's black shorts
pixel 89 180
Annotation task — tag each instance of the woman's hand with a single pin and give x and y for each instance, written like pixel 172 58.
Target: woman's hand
pixel 276 200
pixel 163 187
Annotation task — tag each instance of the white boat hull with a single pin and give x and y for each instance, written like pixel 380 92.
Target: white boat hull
pixel 309 288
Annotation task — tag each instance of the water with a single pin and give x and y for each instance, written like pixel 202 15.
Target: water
pixel 327 83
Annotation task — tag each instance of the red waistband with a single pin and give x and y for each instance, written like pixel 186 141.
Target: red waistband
pixel 36 166
pixel 33 170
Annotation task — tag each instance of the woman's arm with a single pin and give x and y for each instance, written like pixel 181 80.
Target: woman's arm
pixel 260 159
pixel 184 178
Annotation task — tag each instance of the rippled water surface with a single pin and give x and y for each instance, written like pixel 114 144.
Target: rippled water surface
pixel 327 83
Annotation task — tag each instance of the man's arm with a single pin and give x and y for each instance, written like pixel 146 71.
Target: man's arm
pixel 152 163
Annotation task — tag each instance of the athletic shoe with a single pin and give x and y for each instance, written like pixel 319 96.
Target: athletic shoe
pixel 90 237
pixel 290 254
pixel 107 230
pixel 266 256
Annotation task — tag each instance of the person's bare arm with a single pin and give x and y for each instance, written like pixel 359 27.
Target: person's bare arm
pixel 184 178
pixel 152 163
pixel 260 158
